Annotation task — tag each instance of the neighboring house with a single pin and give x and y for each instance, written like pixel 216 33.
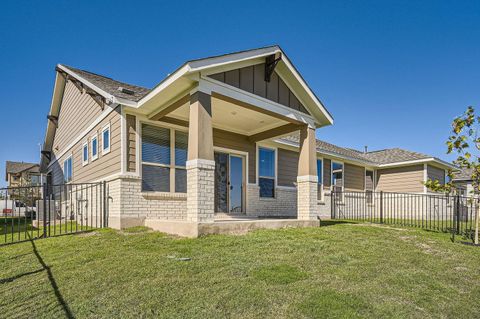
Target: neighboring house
pixel 231 134
pixel 22 174
pixel 463 182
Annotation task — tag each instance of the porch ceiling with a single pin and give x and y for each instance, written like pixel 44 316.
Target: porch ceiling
pixel 235 118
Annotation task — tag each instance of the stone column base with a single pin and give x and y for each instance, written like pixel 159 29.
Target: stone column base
pixel 200 190
pixel 307 197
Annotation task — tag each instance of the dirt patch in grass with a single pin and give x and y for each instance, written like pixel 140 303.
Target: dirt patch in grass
pixel 279 274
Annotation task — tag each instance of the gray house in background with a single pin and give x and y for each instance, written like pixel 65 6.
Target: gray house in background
pixel 221 137
pixel 463 182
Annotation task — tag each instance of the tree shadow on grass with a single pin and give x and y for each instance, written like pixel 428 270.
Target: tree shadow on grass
pixel 53 282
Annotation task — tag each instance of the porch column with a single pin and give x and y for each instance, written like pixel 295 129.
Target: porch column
pixel 307 179
pixel 200 163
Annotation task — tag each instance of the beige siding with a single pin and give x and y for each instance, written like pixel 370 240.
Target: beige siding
pixel 104 165
pixel 287 167
pixel 327 172
pixel 252 79
pixel 401 179
pixel 131 142
pixel 240 143
pixel 77 111
pixel 354 177
pixel 369 184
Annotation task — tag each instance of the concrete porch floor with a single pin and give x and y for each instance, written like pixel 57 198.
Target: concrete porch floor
pixel 235 225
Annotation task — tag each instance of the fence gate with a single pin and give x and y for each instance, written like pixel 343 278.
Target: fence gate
pixel 439 212
pixel 34 212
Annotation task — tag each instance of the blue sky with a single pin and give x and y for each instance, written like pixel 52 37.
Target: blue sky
pixel 392 73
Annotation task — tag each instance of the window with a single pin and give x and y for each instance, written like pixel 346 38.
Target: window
pixel 67 169
pixel 320 179
pixel 106 139
pixel 162 169
pixel 266 172
pixel 337 179
pixel 94 148
pixel 85 154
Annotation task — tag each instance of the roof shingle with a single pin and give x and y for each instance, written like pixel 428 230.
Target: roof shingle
pixel 110 85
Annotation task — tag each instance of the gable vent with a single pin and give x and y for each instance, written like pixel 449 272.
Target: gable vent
pixel 126 91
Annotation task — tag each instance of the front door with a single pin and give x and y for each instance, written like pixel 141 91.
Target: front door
pixel 229 180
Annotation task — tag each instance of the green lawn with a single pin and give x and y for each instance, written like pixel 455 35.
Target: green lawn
pixel 341 270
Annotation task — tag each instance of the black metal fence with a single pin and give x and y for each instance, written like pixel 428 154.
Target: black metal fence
pixel 33 212
pixel 438 212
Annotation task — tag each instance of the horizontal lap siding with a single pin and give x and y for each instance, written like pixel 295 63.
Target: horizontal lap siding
pixel 131 142
pixel 327 171
pixel 77 111
pixel 287 167
pixel 237 142
pixel 354 177
pixel 401 179
pixel 104 165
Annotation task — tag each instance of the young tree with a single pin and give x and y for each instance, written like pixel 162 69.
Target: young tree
pixel 465 141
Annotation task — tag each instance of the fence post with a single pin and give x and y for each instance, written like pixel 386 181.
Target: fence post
pixel 457 216
pixel 104 186
pixel 44 210
pixel 381 207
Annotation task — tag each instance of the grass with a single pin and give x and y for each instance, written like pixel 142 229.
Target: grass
pixel 15 229
pixel 342 270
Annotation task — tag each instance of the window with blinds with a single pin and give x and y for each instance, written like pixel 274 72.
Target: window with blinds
pixel 164 170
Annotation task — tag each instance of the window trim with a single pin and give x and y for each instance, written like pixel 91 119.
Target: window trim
pixel 343 178
pixel 320 181
pixel 172 166
pixel 85 161
pixel 70 157
pixel 94 137
pixel 275 178
pixel 106 150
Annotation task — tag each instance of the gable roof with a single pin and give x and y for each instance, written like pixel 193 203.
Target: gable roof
pixel 182 77
pixel 110 85
pixel 380 158
pixel 18 167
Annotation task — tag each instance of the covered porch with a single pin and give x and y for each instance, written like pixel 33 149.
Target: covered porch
pixel 231 113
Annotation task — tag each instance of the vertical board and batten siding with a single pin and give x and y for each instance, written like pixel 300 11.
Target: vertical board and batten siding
pixel 105 165
pixel 237 142
pixel 287 167
pixel 406 179
pixel 252 79
pixel 354 177
pixel 77 111
pixel 131 142
pixel 327 173
pixel 435 173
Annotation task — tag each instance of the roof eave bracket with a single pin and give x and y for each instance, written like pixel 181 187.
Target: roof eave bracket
pixel 271 62
pixel 53 119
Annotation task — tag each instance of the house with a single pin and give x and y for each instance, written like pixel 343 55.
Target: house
pixel 463 182
pixel 22 174
pixel 227 135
